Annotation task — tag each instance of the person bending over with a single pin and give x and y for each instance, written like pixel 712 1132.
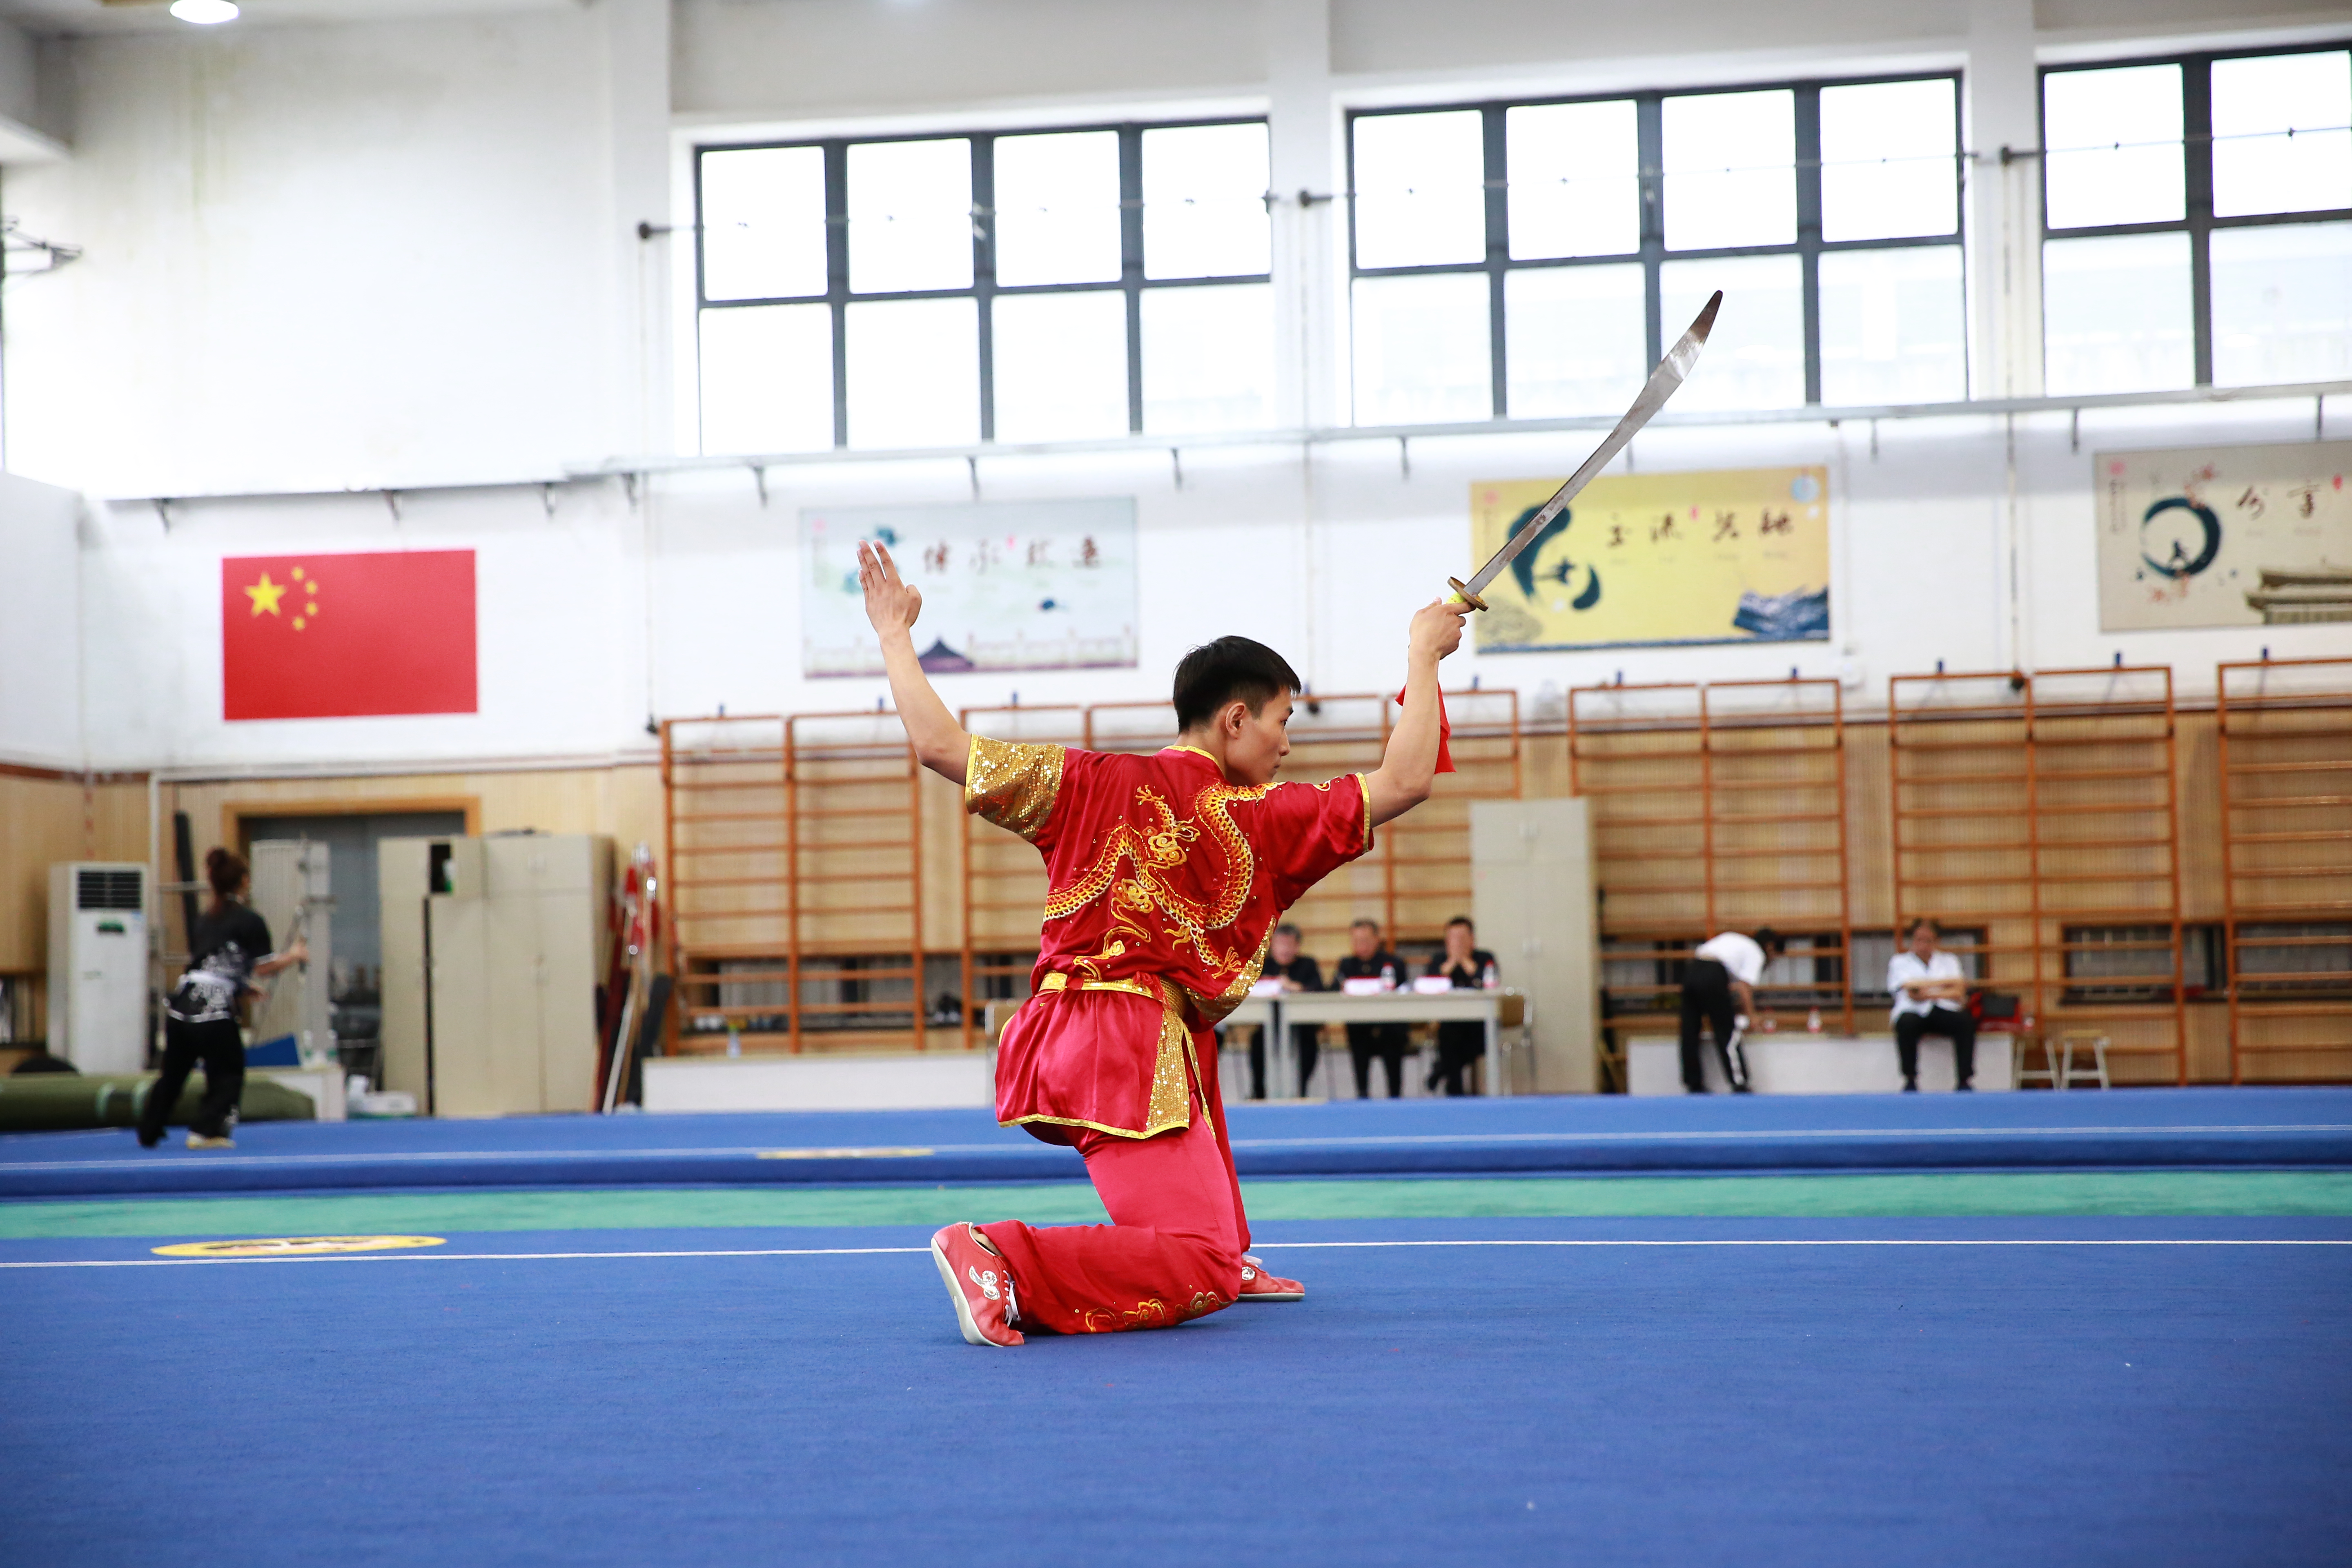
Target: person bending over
pixel 229 949
pixel 1164 875
pixel 1297 972
pixel 1369 959
pixel 1719 990
pixel 1931 997
pixel 1470 968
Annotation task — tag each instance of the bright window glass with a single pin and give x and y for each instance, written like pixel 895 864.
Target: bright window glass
pixel 2114 146
pixel 1060 366
pixel 1887 161
pixel 764 223
pixel 2280 138
pixel 1893 326
pixel 909 216
pixel 1057 208
pixel 767 379
pixel 2282 304
pixel 1420 355
pixel 1204 201
pixel 1208 358
pixel 1730 164
pixel 1756 355
pixel 2114 314
pixel 1420 192
pixel 1575 339
pixel 1575 179
pixel 914 373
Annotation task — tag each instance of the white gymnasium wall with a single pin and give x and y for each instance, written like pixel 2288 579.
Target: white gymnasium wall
pixel 688 598
pixel 40 625
pixel 400 254
pixel 327 255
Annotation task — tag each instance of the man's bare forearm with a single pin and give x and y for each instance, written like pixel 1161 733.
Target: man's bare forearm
pixel 940 743
pixel 1408 768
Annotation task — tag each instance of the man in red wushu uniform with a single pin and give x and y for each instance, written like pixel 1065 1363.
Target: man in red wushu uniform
pixel 1165 876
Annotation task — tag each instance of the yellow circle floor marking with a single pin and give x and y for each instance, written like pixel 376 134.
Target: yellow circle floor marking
pixel 295 1246
pixel 842 1153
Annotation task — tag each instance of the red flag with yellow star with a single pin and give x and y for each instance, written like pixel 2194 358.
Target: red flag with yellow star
pixel 338 636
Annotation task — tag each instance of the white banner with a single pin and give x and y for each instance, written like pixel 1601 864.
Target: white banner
pixel 2224 536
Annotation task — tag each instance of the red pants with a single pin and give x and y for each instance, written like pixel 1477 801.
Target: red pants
pixel 1172 1250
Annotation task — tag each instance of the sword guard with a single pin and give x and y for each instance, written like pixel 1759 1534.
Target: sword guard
pixel 1462 596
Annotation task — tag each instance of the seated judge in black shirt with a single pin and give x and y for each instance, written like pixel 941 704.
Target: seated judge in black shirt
pixel 1372 961
pixel 1460 1042
pixel 1297 972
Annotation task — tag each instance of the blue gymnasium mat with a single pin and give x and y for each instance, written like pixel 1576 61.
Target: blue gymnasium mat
pixel 1530 1135
pixel 2084 1403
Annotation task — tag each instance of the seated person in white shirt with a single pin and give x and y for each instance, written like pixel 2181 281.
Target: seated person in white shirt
pixel 1720 987
pixel 1931 997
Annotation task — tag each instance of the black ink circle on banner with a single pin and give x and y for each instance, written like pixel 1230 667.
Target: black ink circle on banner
pixel 2180 564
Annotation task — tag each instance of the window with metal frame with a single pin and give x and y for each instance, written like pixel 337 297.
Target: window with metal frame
pixel 1531 260
pixel 927 291
pixel 2197 221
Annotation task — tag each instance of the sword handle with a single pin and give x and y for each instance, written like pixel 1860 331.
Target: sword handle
pixel 1462 595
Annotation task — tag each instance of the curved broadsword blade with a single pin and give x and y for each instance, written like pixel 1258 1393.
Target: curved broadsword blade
pixel 1671 372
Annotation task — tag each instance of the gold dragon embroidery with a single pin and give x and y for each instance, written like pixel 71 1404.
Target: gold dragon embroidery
pixel 1151 851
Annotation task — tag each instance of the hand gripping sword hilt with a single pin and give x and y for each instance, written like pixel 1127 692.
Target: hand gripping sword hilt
pixel 1462 596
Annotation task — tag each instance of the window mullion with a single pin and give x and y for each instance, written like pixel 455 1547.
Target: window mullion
pixel 1650 141
pixel 836 278
pixel 984 274
pixel 1131 264
pixel 1498 253
pixel 1809 231
pixel 2197 152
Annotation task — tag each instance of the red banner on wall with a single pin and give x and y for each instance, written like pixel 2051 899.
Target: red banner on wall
pixel 339 637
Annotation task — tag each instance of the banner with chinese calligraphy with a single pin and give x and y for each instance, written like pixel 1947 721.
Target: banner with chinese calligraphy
pixel 1731 556
pixel 2224 536
pixel 1006 584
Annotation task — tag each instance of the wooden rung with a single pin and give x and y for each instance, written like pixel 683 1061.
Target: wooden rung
pixel 680 884
pixel 2321 765
pixel 679 912
pixel 2313 836
pixel 726 784
pixel 2289 802
pixel 679 852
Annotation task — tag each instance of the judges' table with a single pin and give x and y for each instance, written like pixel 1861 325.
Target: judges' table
pixel 1276 1014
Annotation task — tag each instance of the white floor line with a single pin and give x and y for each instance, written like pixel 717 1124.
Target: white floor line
pixel 1264 1246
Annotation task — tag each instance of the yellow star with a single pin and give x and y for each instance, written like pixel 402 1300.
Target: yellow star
pixel 266 594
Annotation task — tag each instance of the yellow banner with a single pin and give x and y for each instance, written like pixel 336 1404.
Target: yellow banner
pixel 1731 556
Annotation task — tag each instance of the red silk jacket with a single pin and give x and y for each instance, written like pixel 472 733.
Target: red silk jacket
pixel 1164 885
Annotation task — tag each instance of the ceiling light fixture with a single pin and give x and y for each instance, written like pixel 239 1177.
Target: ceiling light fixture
pixel 205 13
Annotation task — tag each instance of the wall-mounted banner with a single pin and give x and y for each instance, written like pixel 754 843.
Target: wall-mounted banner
pixel 1006 584
pixel 345 636
pixel 2224 536
pixel 1732 555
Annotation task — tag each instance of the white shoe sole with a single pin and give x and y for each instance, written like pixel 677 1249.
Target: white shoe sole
pixel 971 1334
pixel 1271 1296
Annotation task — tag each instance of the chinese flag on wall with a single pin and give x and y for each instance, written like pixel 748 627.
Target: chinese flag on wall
pixel 336 637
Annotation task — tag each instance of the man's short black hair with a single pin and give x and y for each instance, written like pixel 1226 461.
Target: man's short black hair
pixel 1463 920
pixel 1771 941
pixel 1227 671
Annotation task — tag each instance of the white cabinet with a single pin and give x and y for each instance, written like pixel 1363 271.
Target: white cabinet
pixel 1531 875
pixel 492 951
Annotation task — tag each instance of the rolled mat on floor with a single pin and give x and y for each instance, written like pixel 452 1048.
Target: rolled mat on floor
pixel 53 1102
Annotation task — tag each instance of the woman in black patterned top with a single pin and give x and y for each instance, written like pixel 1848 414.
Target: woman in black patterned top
pixel 229 949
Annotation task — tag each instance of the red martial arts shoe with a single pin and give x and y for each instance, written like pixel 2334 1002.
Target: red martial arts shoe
pixel 979 1285
pixel 1257 1285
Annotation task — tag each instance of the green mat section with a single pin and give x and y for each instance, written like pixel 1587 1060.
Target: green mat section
pixel 2246 1192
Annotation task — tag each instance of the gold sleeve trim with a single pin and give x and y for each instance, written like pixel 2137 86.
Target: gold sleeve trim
pixel 1011 784
pixel 1364 789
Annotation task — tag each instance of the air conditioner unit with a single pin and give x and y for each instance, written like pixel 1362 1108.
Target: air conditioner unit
pixel 98 966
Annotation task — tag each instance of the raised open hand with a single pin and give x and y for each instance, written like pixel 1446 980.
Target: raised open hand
pixel 891 603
